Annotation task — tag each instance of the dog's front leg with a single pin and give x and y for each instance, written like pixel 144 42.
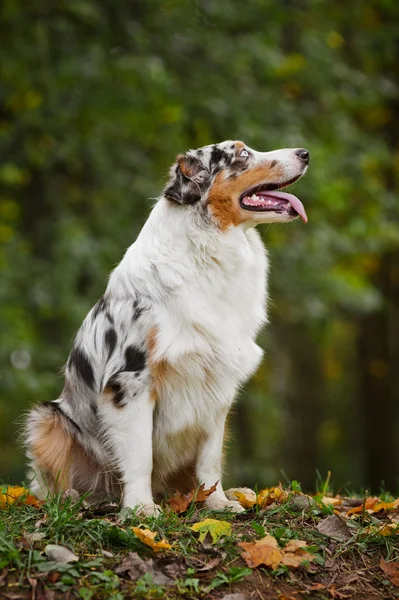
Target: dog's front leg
pixel 127 414
pixel 209 467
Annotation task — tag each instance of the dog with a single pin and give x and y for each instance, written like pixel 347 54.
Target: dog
pixel 157 362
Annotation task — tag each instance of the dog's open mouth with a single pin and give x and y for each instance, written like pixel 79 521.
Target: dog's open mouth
pixel 267 198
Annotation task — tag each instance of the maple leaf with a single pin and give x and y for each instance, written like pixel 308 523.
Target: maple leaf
pixel 392 570
pixel 215 528
pixel 180 502
pixel 147 537
pixel 266 551
pixel 20 494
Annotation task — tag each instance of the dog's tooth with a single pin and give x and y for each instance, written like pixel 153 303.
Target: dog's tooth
pixel 254 197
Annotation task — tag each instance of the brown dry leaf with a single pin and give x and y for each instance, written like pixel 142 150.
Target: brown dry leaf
pixel 315 587
pixel 134 567
pixel 262 552
pixel 391 569
pixel 336 594
pixel 180 502
pixel 334 527
pixel 295 545
pixel 367 505
pixel 16 493
pixel 147 537
pixel 267 552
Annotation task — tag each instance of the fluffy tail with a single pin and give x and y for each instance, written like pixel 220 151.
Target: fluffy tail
pixel 58 460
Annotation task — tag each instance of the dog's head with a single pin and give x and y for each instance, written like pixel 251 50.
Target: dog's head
pixel 237 185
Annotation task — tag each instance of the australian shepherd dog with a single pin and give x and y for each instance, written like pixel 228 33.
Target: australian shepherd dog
pixel 157 362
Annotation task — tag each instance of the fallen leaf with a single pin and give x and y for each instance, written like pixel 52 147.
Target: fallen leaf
pixel 315 587
pixel 391 569
pixel 271 495
pixel 386 506
pixel 215 528
pixel 20 494
pixel 266 551
pixel 335 528
pixel 262 552
pixel 367 505
pixel 60 554
pixel 384 529
pixel 248 498
pixel 300 502
pixel 36 536
pixel 331 501
pixel 245 496
pixel 180 502
pixel 147 537
pixel 200 566
pixel 336 594
pixel 295 545
pixel 135 567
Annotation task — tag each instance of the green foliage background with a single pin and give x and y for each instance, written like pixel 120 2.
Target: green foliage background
pixel 96 100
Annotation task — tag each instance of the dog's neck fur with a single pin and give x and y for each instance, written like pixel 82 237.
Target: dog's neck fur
pixel 179 247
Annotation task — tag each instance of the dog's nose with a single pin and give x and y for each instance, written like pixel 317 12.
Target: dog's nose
pixel 303 154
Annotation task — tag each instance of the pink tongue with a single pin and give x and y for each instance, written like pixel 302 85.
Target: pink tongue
pixel 293 200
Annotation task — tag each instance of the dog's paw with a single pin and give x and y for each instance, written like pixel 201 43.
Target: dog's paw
pixel 223 504
pixel 149 510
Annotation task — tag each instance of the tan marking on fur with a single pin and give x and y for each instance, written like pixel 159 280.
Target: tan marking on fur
pixel 159 368
pixel 52 449
pixel 225 193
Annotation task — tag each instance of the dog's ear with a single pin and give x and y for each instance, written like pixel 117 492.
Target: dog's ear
pixel 189 180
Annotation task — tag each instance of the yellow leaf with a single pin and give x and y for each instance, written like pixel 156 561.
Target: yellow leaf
pixel 384 530
pixel 246 499
pixel 147 537
pixel 270 495
pixel 16 493
pixel 215 528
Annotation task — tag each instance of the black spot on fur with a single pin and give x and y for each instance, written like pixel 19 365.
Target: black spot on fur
pixel 135 359
pixel 56 408
pixel 218 156
pixel 110 341
pixel 137 310
pixel 82 366
pixel 114 387
pixel 273 163
pixel 191 197
pixel 110 317
pixel 100 307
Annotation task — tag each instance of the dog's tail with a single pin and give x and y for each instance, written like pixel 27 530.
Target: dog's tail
pixel 58 458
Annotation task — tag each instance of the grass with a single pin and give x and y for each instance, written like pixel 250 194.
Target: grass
pixel 102 538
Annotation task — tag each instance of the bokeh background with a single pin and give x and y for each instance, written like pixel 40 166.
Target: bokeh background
pixel 97 98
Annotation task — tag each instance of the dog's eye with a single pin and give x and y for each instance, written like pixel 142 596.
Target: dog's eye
pixel 244 154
